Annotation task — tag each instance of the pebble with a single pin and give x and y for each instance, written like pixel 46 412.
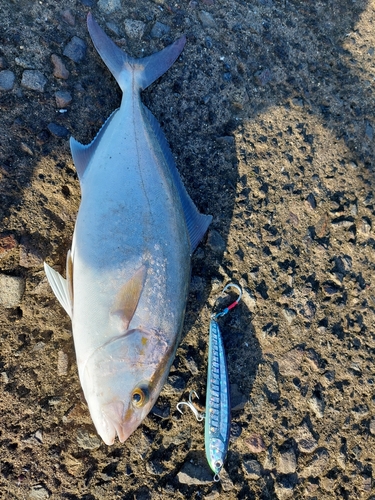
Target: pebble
pixel 7 79
pixel 88 3
pixel 287 462
pixel 206 19
pixel 372 426
pixel 29 256
pixel 255 443
pixel 7 244
pixel 305 440
pixel 38 492
pixel 284 489
pixel 317 465
pixel 174 385
pixel 87 441
pixel 248 298
pixel 225 481
pixel 134 28
pixel 253 469
pixel 62 363
pixel 109 6
pixel 159 30
pixel 237 399
pixel 76 49
pixel 369 131
pixel 58 130
pixel 68 17
pixel 216 242
pixel 317 405
pixel 59 68
pixel 263 77
pixel 11 290
pixel 194 474
pixel 63 98
pixel 178 438
pixel 289 314
pixel 268 377
pixel 290 362
pixel 33 79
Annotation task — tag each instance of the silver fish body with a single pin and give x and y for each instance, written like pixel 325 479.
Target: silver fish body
pixel 128 270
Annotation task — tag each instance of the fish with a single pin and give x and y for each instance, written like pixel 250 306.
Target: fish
pixel 128 269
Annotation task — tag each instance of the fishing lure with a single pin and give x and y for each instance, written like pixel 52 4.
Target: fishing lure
pixel 217 415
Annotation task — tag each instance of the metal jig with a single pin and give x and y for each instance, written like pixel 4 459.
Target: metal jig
pixel 217 415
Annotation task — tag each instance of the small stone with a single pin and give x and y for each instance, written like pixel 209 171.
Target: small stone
pixel 4 377
pixel 305 440
pixel 59 68
pixel 290 315
pixel 3 63
pixel 33 80
pixel 38 492
pixel 255 443
pixel 161 411
pixel 317 465
pixel 327 484
pixel 11 290
pixel 87 441
pixel 174 385
pixel 267 375
pixel 284 489
pixel 206 19
pixel 134 28
pixel 287 462
pixel 263 77
pixel 63 98
pixel 29 256
pixel 154 467
pixel 87 3
pixel 194 474
pixel 290 362
pixel 249 299
pixel 178 438
pixel 317 405
pixel 7 244
pixel 253 469
pixel 311 202
pixel 313 359
pixel 364 226
pixel 109 6
pixel 367 484
pixel 26 149
pixel 216 242
pixel 68 17
pixel 7 79
pixel 58 130
pixel 369 131
pixel 237 399
pixel 225 481
pixel 322 226
pixel 62 363
pixel 372 426
pixel 159 30
pixel 75 50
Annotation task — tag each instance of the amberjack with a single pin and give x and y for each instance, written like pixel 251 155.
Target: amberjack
pixel 128 269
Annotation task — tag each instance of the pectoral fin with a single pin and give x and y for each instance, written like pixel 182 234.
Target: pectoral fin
pixel 128 297
pixel 60 288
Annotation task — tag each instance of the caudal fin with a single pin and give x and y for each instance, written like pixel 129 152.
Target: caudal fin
pixel 123 67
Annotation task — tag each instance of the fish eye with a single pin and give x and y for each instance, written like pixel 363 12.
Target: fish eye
pixel 140 396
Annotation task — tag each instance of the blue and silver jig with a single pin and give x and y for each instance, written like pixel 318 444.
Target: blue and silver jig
pixel 217 415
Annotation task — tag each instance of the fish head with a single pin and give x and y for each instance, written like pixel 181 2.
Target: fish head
pixel 122 381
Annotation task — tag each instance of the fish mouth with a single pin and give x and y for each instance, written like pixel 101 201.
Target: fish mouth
pixel 118 422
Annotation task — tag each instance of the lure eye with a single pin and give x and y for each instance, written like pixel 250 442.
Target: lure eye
pixel 140 396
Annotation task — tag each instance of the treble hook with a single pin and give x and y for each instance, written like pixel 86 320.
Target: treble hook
pixel 198 415
pixel 233 305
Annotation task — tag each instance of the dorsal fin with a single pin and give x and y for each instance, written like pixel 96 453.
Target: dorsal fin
pixel 128 297
pixel 196 222
pixel 82 154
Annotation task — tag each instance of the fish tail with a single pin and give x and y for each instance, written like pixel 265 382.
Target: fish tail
pixel 126 69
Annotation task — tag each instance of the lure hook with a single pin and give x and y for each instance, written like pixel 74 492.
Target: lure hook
pixel 198 415
pixel 231 306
